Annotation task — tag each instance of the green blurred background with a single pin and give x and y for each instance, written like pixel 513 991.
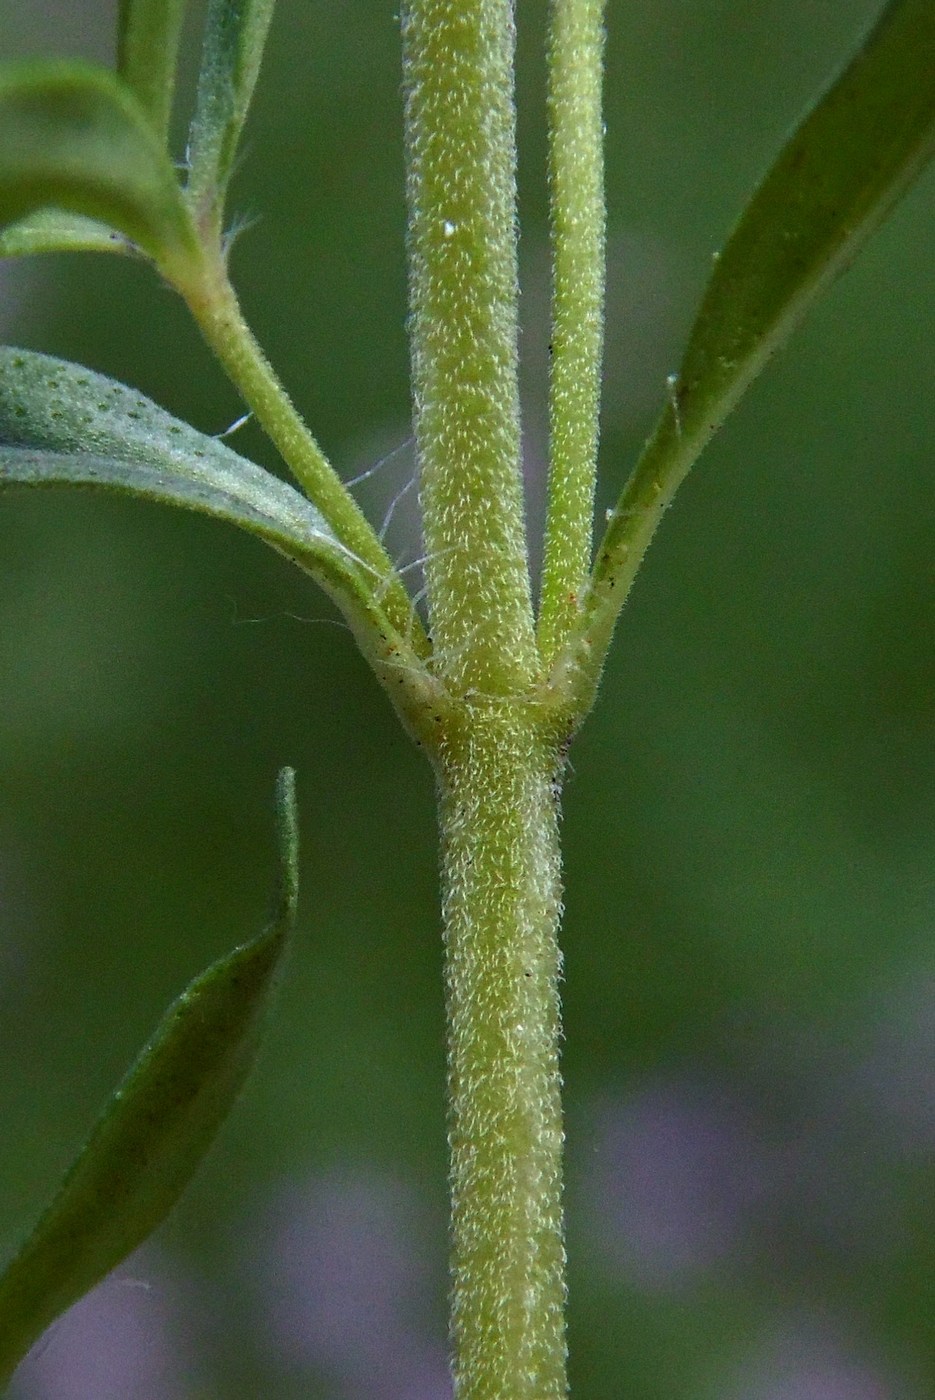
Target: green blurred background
pixel 750 980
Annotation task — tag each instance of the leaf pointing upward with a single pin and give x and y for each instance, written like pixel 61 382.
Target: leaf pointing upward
pixel 63 425
pixel 856 152
pixel 235 36
pixel 156 1129
pixel 148 33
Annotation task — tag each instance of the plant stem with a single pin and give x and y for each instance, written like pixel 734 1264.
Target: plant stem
pixel 213 303
pixel 458 65
pixel 498 769
pixel 576 171
pixel 499 751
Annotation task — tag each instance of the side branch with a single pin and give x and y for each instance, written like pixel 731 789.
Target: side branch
pixel 576 168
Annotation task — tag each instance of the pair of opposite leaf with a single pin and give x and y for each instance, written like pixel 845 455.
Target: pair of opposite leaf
pixel 84 165
pixel 92 144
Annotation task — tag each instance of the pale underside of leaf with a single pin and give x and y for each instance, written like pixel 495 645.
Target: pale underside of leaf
pixel 53 231
pixel 63 424
pixel 856 152
pixel 157 1128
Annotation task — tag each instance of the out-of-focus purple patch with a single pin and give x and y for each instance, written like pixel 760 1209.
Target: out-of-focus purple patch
pixel 125 1341
pixel 347 1285
pixel 804 1360
pixel 899 1074
pixel 677 1169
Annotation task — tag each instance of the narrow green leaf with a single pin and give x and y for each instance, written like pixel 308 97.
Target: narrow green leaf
pixel 849 161
pixel 157 1128
pixel 63 424
pixel 53 231
pixel 235 36
pixel 73 137
pixel 857 151
pixel 148 33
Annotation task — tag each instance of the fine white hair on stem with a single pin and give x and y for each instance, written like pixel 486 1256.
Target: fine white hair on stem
pixel 241 223
pixel 237 621
pixel 612 512
pixel 423 560
pixel 400 571
pixel 402 660
pixel 451 656
pixel 415 614
pixel 319 621
pixel 391 510
pixel 378 466
pixel 234 427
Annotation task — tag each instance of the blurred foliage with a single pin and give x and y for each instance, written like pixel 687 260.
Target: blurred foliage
pixel 749 829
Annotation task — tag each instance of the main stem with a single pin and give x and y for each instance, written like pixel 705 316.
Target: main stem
pixel 499 771
pixel 498 752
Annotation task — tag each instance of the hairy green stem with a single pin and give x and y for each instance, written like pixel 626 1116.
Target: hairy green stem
pixel 576 171
pixel 458 66
pixel 499 768
pixel 498 754
pixel 213 303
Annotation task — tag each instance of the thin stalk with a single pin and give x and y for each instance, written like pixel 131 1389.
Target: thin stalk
pixel 576 171
pixel 458 67
pixel 502 903
pixel 213 303
pixel 648 493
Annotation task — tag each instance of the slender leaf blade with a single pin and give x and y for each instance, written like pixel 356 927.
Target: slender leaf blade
pixel 857 151
pixel 235 36
pixel 157 1127
pixel 53 231
pixel 73 137
pixel 62 424
pixel 148 33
